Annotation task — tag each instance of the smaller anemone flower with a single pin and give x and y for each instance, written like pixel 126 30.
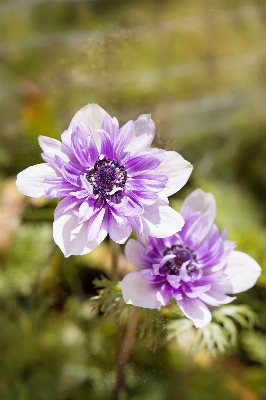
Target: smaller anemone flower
pixel 196 266
pixel 110 181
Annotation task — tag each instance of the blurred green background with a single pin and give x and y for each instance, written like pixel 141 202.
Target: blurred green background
pixel 198 66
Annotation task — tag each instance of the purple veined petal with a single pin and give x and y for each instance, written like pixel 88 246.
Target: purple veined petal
pixel 137 223
pixel 52 147
pixel 79 144
pixel 171 241
pixel 130 205
pixel 94 224
pixel 185 277
pixel 143 134
pixel 118 227
pixel 177 169
pixel 111 126
pixel 92 115
pixel 202 202
pixel 145 196
pixel 215 257
pixel 195 291
pixel 31 181
pixel 210 241
pixel 188 232
pixel 229 246
pixel 141 162
pixel 138 292
pixel 213 277
pixel 149 182
pixel 243 271
pixel 72 175
pixel 174 280
pixel 177 295
pixel 148 275
pixel 86 210
pixel 163 294
pixel 66 206
pixel 86 185
pixel 59 187
pixel 161 221
pixel 134 253
pixel 71 237
pixel 215 298
pixel 107 148
pixel 123 138
pixel 195 310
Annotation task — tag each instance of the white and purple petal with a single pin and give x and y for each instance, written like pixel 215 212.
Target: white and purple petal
pixel 242 271
pixel 93 116
pixel 143 134
pixel 160 220
pixel 177 170
pixel 195 310
pixel 138 292
pixel 71 237
pixel 31 181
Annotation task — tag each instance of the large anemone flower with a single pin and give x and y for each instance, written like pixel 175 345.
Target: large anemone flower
pixel 196 266
pixel 110 180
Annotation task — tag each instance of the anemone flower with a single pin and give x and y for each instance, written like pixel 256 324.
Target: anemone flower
pixel 110 180
pixel 196 266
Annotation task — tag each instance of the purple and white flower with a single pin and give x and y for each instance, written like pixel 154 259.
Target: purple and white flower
pixel 196 266
pixel 110 180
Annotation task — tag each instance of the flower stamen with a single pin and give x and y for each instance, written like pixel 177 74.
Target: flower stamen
pixel 182 255
pixel 107 176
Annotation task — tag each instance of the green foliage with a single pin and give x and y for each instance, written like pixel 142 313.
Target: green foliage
pixel 152 329
pixel 22 266
pixel 218 336
pixel 109 297
pixel 255 345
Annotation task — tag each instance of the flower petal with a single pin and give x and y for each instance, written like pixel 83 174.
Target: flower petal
pixel 52 147
pixel 141 162
pixel 134 251
pixel 72 238
pixel 161 220
pixel 149 276
pixel 200 201
pixel 177 169
pixel 31 181
pixel 143 134
pixel 92 115
pixel 215 298
pixel 243 271
pixel 164 294
pixel 138 292
pixel 195 310
pixel 119 228
pixel 94 224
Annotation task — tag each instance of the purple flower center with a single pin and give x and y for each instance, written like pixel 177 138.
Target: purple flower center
pixel 182 255
pixel 107 176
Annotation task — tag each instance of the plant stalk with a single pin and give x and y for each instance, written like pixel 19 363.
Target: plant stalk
pixel 124 355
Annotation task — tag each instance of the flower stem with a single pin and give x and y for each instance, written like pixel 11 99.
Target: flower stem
pixel 115 248
pixel 123 356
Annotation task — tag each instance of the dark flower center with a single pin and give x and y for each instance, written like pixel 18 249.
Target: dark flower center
pixel 107 176
pixel 182 255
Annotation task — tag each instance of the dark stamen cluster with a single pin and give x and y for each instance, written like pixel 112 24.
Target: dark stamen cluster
pixel 106 175
pixel 182 254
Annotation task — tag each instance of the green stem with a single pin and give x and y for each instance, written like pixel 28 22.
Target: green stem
pixel 123 356
pixel 115 248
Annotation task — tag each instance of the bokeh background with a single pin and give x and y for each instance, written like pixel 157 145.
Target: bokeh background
pixel 198 66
